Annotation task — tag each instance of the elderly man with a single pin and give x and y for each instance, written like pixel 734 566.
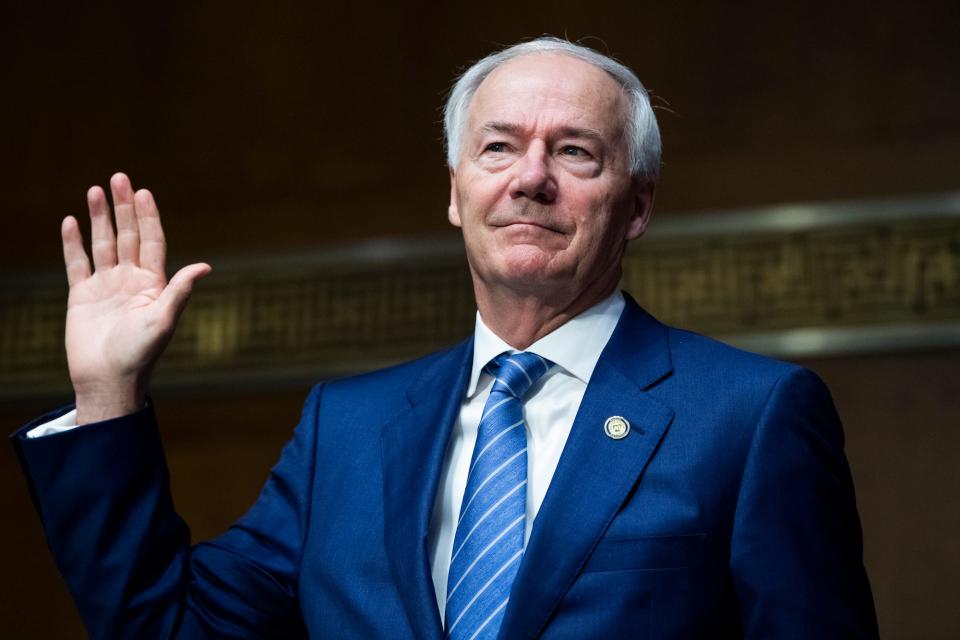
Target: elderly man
pixel 575 469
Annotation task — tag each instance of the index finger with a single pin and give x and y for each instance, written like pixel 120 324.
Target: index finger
pixel 153 244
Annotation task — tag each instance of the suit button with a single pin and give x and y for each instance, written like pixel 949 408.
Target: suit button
pixel 616 427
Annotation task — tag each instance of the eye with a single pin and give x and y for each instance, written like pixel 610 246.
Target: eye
pixel 496 147
pixel 574 151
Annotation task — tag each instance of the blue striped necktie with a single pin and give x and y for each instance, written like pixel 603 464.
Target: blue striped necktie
pixel 488 545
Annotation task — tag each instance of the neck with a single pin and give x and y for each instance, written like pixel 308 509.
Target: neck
pixel 520 318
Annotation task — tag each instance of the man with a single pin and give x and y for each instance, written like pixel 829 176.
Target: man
pixel 575 469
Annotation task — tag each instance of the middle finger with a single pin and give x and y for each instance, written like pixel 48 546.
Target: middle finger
pixel 128 234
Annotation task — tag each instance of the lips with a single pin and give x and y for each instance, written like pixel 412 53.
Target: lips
pixel 528 224
pixel 522 224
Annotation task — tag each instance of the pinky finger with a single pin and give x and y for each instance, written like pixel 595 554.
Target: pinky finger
pixel 74 257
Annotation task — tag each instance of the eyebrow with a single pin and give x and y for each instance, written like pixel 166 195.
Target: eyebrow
pixel 497 126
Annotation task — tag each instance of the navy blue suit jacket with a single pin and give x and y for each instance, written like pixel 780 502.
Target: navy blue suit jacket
pixel 728 511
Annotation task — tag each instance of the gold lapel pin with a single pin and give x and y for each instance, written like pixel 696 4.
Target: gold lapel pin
pixel 616 427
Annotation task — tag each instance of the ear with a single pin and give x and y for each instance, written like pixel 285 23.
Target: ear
pixel 453 211
pixel 642 209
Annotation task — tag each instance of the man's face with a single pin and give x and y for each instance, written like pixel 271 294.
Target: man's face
pixel 542 189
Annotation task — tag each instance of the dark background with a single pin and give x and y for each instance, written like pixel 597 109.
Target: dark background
pixel 269 128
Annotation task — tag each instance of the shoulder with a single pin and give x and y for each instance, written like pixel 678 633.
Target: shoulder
pixel 701 371
pixel 679 353
pixel 711 357
pixel 693 361
pixel 720 375
pixel 403 374
pixel 386 389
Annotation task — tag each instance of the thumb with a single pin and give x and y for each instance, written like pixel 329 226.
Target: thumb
pixel 175 295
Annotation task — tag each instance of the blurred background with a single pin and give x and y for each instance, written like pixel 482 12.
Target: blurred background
pixel 808 208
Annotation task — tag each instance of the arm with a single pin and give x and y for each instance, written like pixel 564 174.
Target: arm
pixel 797 550
pixel 102 489
pixel 103 495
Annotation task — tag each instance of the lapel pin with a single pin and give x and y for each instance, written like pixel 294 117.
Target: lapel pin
pixel 616 427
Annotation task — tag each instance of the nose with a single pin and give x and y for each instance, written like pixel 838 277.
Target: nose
pixel 534 178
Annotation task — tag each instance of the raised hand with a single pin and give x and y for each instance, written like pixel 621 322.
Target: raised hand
pixel 121 316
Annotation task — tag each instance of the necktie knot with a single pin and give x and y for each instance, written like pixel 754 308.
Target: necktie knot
pixel 515 373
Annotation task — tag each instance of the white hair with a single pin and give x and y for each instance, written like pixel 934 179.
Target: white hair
pixel 642 133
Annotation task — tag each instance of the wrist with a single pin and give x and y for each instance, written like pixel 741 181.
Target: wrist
pixel 103 402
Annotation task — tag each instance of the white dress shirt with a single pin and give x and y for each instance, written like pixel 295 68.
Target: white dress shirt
pixel 64 423
pixel 549 411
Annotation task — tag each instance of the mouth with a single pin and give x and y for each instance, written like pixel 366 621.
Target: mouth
pixel 526 225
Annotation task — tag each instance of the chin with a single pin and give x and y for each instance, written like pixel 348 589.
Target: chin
pixel 527 268
pixel 528 258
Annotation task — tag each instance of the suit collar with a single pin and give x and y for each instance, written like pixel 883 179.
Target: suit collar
pixel 595 474
pixel 639 347
pixel 414 444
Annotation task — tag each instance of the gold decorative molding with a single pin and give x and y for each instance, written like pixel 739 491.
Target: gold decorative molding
pixel 795 280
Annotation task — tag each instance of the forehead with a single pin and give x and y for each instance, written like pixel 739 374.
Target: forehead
pixel 546 88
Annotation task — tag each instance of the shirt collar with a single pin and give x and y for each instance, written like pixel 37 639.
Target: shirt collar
pixel 575 345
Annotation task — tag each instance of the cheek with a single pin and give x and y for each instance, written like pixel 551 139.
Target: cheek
pixel 479 188
pixel 601 235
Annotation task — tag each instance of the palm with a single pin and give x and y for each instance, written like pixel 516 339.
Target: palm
pixel 121 316
pixel 112 316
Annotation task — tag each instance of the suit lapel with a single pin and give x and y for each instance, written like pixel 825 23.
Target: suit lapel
pixel 413 451
pixel 596 473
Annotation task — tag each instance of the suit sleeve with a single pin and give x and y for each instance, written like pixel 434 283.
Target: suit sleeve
pixel 796 548
pixel 102 492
